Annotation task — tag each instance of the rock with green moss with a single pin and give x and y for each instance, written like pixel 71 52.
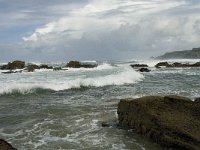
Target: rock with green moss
pixel 172 121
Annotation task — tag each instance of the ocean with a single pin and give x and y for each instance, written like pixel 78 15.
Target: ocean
pixel 51 110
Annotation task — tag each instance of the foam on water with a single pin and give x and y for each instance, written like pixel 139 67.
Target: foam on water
pixel 127 76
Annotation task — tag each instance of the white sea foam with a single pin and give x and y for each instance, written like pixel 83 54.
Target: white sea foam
pixel 126 76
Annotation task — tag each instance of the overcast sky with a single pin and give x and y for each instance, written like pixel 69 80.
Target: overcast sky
pixel 53 30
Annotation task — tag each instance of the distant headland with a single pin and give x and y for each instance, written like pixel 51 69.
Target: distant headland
pixel 185 54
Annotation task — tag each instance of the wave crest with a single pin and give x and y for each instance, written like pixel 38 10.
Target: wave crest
pixel 128 76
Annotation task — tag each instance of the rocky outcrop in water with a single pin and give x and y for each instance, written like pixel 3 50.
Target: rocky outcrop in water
pixel 77 64
pixel 5 145
pixel 43 66
pixel 17 64
pixel 142 67
pixel 172 121
pixel 32 67
pixel 139 65
pixel 144 70
pixel 176 64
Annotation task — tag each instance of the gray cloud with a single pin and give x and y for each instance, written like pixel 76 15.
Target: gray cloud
pixel 99 30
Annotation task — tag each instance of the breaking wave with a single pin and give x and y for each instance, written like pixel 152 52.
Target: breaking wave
pixel 127 76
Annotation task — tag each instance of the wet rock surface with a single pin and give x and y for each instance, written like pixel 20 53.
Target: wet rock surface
pixel 17 64
pixel 5 145
pixel 172 121
pixel 77 64
pixel 176 64
pixel 144 70
pixel 139 65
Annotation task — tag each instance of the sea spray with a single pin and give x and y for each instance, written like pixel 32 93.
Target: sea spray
pixel 58 82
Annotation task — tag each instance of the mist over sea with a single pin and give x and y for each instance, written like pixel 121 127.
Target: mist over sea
pixel 64 109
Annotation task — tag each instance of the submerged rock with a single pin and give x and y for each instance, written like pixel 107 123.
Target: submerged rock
pixel 172 121
pixel 77 64
pixel 5 145
pixel 17 64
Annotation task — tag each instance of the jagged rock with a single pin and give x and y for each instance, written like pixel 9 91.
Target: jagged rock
pixel 5 145
pixel 144 70
pixel 172 121
pixel 77 64
pixel 17 64
pixel 138 65
pixel 45 67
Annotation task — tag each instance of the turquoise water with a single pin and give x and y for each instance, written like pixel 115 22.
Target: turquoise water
pixel 64 109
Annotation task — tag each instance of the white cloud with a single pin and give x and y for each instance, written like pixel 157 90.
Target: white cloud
pixel 116 29
pixel 104 15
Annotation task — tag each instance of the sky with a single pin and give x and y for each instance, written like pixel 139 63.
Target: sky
pixel 63 30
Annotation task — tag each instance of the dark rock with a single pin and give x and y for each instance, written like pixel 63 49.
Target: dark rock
pixel 196 64
pixel 57 68
pixel 77 64
pixel 176 64
pixel 32 67
pixel 5 145
pixel 197 100
pixel 144 70
pixel 172 121
pixel 17 64
pixel 162 64
pixel 105 124
pixel 138 65
pixel 45 67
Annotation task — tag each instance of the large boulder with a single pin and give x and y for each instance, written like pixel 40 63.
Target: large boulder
pixel 172 121
pixel 5 145
pixel 77 64
pixel 17 64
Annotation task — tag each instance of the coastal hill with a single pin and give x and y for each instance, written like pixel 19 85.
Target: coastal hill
pixel 186 54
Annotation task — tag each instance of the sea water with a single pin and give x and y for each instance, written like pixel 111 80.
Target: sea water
pixel 64 109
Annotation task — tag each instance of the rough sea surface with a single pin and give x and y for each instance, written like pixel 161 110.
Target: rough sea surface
pixel 47 110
